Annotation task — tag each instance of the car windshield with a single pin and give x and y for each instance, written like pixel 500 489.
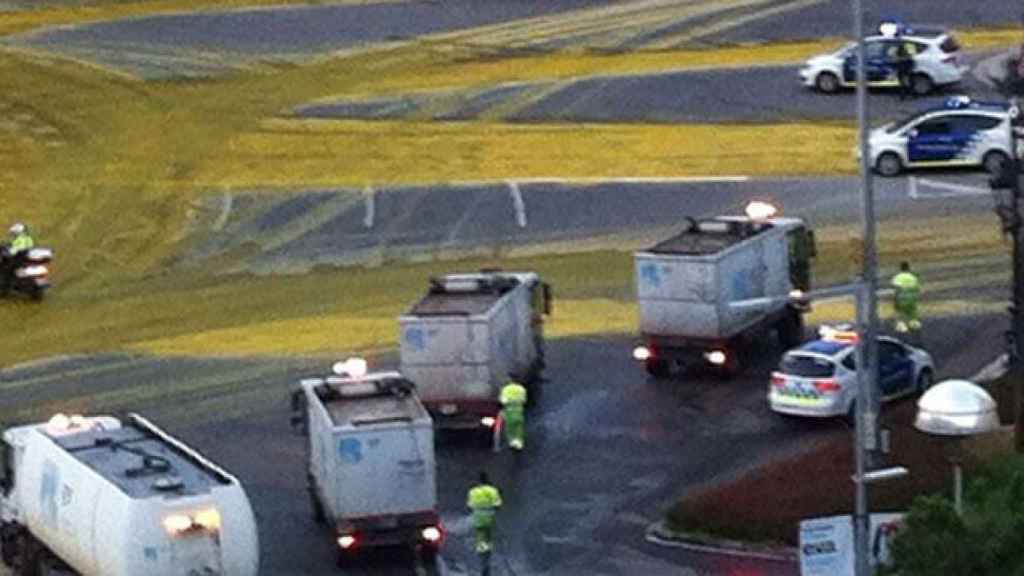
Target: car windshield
pixel 807 366
pixel 845 50
pixel 900 124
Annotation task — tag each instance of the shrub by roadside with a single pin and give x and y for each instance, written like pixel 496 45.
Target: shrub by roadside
pixel 768 503
pixel 987 539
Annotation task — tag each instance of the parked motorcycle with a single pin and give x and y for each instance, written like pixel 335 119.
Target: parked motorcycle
pixel 27 273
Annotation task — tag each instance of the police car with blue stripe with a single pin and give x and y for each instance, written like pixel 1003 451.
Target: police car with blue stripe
pixel 819 379
pixel 961 132
pixel 935 52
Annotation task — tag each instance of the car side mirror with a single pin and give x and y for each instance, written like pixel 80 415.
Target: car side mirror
pixel 912 133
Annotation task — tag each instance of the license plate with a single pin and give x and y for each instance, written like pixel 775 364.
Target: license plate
pixel 801 388
pixel 449 409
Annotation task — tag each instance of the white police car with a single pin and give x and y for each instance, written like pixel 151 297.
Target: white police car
pixel 961 132
pixel 819 378
pixel 935 51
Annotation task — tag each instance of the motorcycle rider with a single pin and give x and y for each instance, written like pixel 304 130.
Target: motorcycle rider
pixel 14 252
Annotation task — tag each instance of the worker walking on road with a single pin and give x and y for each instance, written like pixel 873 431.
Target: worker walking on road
pixel 513 414
pixel 908 291
pixel 484 500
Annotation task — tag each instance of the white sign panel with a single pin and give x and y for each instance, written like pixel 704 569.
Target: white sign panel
pixel 826 544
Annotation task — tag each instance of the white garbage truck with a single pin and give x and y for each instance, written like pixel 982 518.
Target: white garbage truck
pixel 98 496
pixel 718 285
pixel 468 336
pixel 371 471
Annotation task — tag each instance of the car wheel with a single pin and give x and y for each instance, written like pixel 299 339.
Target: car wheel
pixel 994 162
pixel 924 380
pixel 921 84
pixel 827 82
pixel 889 165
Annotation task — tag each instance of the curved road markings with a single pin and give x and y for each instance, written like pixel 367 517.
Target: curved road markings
pixel 91 370
pixel 370 196
pixel 615 26
pixel 517 203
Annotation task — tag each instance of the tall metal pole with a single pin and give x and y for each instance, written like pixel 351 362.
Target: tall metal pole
pixel 867 365
pixel 1016 360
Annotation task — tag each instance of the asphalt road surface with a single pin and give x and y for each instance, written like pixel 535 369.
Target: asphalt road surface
pixel 215 42
pixel 338 227
pixel 608 448
pixel 755 94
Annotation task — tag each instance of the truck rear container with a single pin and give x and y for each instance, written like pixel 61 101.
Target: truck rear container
pixel 695 290
pixel 468 336
pixel 371 469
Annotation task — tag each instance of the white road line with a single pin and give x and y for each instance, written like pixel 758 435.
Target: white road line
pixel 517 203
pixel 634 180
pixel 370 195
pixel 950 190
pixel 225 211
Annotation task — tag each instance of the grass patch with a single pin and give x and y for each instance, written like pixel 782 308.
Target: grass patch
pixel 380 152
pixel 109 169
pixel 355 309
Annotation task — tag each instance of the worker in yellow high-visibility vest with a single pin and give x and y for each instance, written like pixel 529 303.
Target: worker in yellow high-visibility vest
pixel 484 500
pixel 908 291
pixel 513 414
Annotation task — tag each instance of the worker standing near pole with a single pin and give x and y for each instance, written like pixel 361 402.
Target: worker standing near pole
pixel 484 500
pixel 908 291
pixel 513 414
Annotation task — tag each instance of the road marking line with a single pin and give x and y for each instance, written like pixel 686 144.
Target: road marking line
pixel 517 203
pixel 369 194
pixel 225 211
pixel 88 370
pixel 952 190
pixel 633 180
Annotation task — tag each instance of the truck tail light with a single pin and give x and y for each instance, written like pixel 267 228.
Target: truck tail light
pixel 778 380
pixel 347 541
pixel 432 534
pixel 489 421
pixel 829 385
pixel 716 357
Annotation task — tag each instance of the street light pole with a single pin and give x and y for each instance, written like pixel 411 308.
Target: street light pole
pixel 867 303
pixel 1009 179
pixel 1016 363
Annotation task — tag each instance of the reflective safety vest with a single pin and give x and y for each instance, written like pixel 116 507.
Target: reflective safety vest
pixel 21 243
pixel 907 288
pixel 513 394
pixel 484 500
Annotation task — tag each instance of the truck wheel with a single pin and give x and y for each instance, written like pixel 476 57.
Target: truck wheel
pixel 318 509
pixel 657 367
pixel 790 330
pixel 27 561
